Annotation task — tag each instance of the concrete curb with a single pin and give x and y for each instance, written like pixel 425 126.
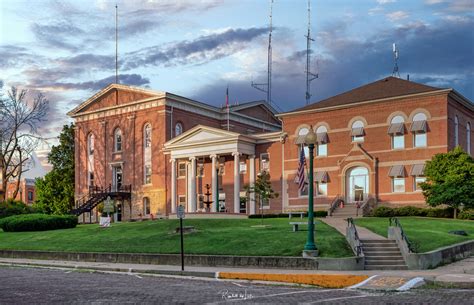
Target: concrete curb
pixel 263 262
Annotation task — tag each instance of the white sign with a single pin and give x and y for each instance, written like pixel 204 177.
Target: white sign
pixel 104 222
pixel 180 212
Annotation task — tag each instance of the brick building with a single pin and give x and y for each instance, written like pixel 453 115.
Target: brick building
pixel 373 142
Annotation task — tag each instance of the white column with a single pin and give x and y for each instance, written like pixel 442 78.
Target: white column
pixel 214 183
pixel 173 185
pixel 236 182
pixel 252 184
pixel 192 191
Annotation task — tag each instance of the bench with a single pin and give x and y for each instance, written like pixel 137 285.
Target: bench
pixel 290 214
pixel 297 224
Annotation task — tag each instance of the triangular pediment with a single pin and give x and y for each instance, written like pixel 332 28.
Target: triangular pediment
pixel 113 95
pixel 202 134
pixel 357 153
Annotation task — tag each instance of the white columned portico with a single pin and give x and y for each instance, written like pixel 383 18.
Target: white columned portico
pixel 173 185
pixel 192 191
pixel 215 200
pixel 252 184
pixel 236 182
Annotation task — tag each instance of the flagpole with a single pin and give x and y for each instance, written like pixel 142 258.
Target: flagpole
pixel 227 103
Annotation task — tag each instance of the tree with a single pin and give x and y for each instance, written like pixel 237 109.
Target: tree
pixel 55 192
pixel 450 180
pixel 19 119
pixel 262 189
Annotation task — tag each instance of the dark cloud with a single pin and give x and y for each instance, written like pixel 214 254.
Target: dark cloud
pixel 198 51
pixel 12 56
pixel 87 61
pixel 439 55
pixel 129 79
pixel 58 34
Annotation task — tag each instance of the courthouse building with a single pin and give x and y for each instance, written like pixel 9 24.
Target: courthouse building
pixel 152 151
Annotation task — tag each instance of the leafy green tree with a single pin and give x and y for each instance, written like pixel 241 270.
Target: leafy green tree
pixel 55 192
pixel 262 189
pixel 450 180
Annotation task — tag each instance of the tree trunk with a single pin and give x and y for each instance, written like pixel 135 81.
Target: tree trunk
pixel 455 216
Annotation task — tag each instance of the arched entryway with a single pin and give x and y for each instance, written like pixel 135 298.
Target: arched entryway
pixel 357 184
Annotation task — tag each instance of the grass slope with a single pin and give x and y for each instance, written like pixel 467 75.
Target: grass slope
pixel 213 236
pixel 428 233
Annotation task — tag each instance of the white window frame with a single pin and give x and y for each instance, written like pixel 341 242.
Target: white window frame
pixel 393 184
pixel 394 138
pixel 181 171
pixel 325 187
pixel 182 200
pixel 415 183
pixel 147 176
pixel 178 129
pixel 420 136
pixel 118 140
pixel 354 125
pixel 147 158
pixel 146 203
pixel 318 150
pixel 262 162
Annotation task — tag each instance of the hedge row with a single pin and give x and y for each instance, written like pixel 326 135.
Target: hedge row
pixel 37 222
pixel 412 211
pixel 286 215
pixel 12 207
pixel 466 214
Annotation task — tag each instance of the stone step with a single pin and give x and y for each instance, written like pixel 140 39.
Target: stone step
pixel 378 255
pixel 386 267
pixel 377 241
pixel 369 262
pixel 380 246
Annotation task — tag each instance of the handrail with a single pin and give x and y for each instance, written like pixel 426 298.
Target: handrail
pixel 333 204
pixel 412 247
pixel 358 244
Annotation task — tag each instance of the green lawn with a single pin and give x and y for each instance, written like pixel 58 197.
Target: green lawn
pixel 428 233
pixel 213 236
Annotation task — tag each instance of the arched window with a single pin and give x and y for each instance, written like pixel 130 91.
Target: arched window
pixel 302 132
pixel 419 128
pixel 468 138
pixel 90 159
pixel 178 129
pixel 357 132
pixel 322 138
pixel 456 131
pixel 146 206
pixel 118 140
pixel 147 154
pixel 397 132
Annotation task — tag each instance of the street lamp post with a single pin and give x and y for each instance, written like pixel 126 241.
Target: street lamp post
pixel 310 249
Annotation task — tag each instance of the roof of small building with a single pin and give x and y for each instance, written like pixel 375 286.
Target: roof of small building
pixel 385 88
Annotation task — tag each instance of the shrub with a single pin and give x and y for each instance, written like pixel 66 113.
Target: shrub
pixel 320 213
pixel 383 212
pixel 412 211
pixel 12 207
pixel 37 222
pixel 467 214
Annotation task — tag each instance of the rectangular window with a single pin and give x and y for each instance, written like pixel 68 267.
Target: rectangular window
pixel 147 174
pixel 398 185
pixel 322 150
pixel 419 140
pixel 181 169
pixel 146 206
pixel 266 203
pixel 322 189
pixel 221 171
pixel 201 201
pixel 182 200
pixel 200 170
pixel 417 181
pixel 30 196
pixel 306 151
pixel 265 162
pixel 243 167
pixel 398 141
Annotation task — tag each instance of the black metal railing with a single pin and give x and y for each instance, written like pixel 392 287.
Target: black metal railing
pixel 357 242
pixel 412 247
pixel 364 206
pixel 97 194
pixel 333 205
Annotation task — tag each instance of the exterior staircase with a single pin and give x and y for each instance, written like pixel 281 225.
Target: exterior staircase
pixel 97 195
pixel 382 254
pixel 349 210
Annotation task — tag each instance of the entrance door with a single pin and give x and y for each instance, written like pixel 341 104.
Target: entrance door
pixel 119 212
pixel 358 184
pixel 117 178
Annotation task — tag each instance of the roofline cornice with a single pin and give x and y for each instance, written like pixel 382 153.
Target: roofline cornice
pixel 324 109
pixel 461 99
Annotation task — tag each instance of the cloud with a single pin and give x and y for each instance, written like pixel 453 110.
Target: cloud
pixel 59 34
pixel 129 79
pixel 398 15
pixel 381 2
pixel 12 56
pixel 198 51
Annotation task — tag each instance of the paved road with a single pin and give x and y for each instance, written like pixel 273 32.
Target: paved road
pixel 20 285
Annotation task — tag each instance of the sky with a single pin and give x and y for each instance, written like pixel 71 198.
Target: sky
pixel 198 48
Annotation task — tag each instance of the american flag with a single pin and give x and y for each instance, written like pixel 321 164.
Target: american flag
pixel 300 175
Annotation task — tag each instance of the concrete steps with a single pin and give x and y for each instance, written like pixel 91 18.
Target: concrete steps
pixel 382 254
pixel 349 210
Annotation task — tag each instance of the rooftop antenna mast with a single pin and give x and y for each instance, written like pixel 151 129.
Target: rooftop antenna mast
pixel 116 44
pixel 309 76
pixel 395 58
pixel 267 88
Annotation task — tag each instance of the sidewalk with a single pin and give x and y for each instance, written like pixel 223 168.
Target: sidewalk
pixel 340 224
pixel 459 274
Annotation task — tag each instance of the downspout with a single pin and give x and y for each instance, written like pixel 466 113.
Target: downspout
pixel 282 170
pixel 171 123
